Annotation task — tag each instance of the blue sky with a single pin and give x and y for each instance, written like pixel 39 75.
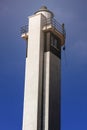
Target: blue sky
pixel 13 15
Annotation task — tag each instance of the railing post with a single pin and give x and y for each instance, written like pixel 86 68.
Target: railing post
pixel 63 30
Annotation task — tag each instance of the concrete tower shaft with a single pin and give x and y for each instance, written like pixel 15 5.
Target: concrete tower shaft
pixel 45 37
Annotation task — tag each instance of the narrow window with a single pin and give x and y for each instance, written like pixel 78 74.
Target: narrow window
pixel 26 48
pixel 55 43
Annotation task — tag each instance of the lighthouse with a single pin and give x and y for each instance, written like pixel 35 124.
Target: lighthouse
pixel 44 37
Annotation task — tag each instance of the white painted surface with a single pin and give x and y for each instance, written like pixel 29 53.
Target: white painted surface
pixel 45 13
pixel 33 75
pixel 46 88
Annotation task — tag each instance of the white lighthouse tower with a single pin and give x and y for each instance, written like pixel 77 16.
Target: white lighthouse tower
pixel 44 39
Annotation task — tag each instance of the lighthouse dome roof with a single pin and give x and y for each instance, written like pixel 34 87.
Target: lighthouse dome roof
pixel 45 10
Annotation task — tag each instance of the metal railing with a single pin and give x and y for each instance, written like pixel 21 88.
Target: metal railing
pixel 24 29
pixel 55 24
pixel 48 21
